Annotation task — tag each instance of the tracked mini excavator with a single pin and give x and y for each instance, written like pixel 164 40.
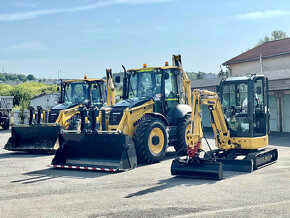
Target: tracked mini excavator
pixel 154 113
pixel 239 116
pixel 41 134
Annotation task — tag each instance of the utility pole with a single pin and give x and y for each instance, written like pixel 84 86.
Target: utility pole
pixel 58 72
pixel 261 63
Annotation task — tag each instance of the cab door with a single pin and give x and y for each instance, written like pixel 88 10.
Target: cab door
pixel 171 94
pixel 260 121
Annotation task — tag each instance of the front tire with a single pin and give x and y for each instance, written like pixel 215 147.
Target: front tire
pixel 150 140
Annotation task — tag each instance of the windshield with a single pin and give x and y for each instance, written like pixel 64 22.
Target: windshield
pixel 145 83
pixel 98 96
pixel 76 92
pixel 235 106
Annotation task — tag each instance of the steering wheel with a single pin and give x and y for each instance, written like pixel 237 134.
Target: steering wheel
pixel 157 90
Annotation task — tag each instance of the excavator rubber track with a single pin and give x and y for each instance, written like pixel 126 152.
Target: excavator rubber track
pixel 263 157
pixel 244 160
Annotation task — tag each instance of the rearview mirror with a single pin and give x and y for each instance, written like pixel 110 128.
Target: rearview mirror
pixel 117 79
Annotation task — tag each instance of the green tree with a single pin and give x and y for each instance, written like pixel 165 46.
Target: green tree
pixel 200 75
pixel 31 77
pixel 275 35
pixel 5 90
pixel 30 89
pixel 23 106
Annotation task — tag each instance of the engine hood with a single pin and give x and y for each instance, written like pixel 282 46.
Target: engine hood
pixel 64 106
pixel 133 102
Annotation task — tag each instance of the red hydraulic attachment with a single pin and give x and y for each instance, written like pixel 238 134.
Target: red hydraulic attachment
pixel 191 151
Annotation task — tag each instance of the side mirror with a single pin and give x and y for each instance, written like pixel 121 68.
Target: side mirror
pixel 117 79
pixel 166 76
pixel 58 89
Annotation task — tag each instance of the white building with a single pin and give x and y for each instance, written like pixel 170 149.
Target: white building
pixel 46 101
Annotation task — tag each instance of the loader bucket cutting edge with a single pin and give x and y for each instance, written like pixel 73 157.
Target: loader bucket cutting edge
pixel 84 168
pixel 204 170
pixel 98 151
pixel 38 138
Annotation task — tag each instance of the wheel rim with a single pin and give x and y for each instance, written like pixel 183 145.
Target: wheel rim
pixel 157 147
pixel 187 132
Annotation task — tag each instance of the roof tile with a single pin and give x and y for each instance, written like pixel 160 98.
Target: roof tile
pixel 277 47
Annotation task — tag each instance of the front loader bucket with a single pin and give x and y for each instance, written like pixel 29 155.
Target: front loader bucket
pixel 93 151
pixel 203 169
pixel 33 138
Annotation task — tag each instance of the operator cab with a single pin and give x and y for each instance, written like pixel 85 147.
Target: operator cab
pixel 245 105
pixel 88 92
pixel 162 84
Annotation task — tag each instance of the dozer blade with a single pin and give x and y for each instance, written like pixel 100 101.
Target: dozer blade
pixel 93 151
pixel 38 138
pixel 244 165
pixel 201 169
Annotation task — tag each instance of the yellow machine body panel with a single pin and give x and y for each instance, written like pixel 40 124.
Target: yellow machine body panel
pixel 131 118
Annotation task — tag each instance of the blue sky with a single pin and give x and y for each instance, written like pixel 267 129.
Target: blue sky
pixel 87 36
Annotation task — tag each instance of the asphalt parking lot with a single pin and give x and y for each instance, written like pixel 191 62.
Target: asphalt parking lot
pixel 28 188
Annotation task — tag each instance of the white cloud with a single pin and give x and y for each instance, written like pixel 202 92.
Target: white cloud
pixel 23 5
pixel 34 14
pixel 262 14
pixel 32 46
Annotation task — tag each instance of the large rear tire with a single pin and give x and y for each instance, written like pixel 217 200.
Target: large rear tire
pixel 183 128
pixel 150 140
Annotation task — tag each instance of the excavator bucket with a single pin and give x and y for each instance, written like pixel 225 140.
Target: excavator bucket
pixel 33 138
pixel 197 168
pixel 95 151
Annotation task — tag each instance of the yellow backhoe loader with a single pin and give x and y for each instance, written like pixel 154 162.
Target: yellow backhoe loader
pixel 153 114
pixel 240 117
pixel 41 134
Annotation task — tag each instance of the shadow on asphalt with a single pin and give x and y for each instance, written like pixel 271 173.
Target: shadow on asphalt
pixel 180 181
pixel 52 173
pixel 279 140
pixel 5 131
pixel 21 155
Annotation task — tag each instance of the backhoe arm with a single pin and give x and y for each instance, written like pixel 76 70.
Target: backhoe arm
pixel 219 126
pixel 186 87
pixel 110 87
